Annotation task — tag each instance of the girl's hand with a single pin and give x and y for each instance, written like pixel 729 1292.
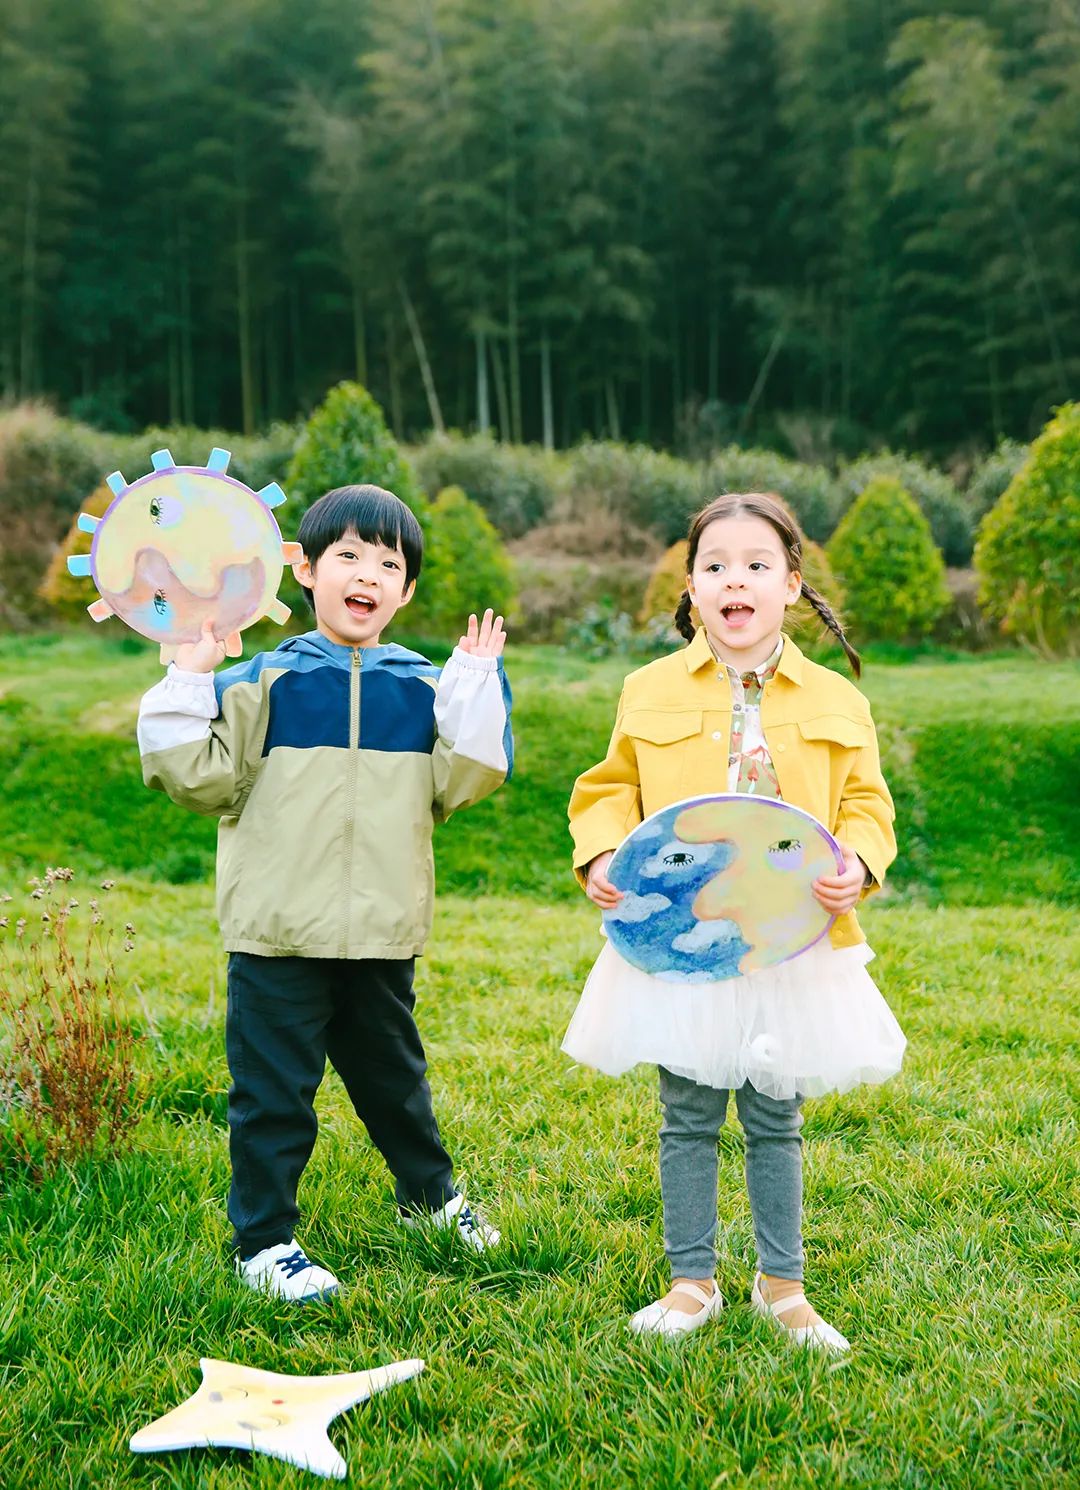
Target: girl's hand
pixel 598 887
pixel 201 656
pixel 485 640
pixel 838 893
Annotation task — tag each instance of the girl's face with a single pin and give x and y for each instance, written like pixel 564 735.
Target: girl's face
pixel 742 586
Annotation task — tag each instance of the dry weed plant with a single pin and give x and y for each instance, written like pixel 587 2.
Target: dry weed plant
pixel 69 1085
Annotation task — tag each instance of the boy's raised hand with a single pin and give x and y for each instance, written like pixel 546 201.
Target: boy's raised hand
pixel 201 656
pixel 486 638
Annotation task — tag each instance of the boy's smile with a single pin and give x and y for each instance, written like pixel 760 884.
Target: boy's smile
pixel 358 587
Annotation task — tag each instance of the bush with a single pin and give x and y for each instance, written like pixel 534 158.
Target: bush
pixel 514 484
pixel 346 442
pixel 66 595
pixel 883 554
pixel 466 569
pixel 633 483
pixel 47 465
pixel 809 491
pixel 936 496
pixel 1028 553
pixel 256 460
pixel 990 479
pixel 68 1079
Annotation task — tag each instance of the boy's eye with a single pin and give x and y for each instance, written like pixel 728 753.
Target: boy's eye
pixel 391 564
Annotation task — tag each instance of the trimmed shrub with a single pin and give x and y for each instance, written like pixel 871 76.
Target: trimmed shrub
pixel 809 491
pixel 665 587
pixel 346 442
pixel 466 569
pixel 47 465
pixel 935 495
pixel 641 486
pixel 883 554
pixel 66 595
pixel 991 477
pixel 1028 553
pixel 514 484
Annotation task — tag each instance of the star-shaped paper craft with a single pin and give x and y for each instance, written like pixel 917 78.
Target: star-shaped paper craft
pixel 238 1407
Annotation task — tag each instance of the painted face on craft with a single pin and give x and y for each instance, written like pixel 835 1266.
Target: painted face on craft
pixel 742 586
pixel 358 587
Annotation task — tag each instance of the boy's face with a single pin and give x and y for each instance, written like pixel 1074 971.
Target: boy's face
pixel 358 587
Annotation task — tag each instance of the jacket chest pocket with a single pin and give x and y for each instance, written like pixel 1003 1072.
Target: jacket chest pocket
pixel 836 731
pixel 667 743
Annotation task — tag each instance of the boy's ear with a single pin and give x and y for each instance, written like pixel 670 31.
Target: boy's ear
pixel 304 574
pixel 408 592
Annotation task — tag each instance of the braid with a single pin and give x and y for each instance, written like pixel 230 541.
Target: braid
pixel 829 617
pixel 683 624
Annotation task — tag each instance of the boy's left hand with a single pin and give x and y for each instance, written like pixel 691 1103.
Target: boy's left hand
pixel 485 639
pixel 838 893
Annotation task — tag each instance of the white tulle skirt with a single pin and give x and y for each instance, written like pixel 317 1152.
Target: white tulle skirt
pixel 812 1025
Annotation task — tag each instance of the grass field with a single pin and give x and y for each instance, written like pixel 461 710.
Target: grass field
pixel 940 1209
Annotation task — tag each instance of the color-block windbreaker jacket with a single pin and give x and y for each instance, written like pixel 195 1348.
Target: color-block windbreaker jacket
pixel 327 766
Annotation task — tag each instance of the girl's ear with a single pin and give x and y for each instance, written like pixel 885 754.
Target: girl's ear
pixel 690 590
pixel 794 587
pixel 304 573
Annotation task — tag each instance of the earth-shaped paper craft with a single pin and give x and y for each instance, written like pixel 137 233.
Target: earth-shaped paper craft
pixel 717 886
pixel 183 545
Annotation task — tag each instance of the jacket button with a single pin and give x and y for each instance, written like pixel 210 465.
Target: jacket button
pixel 717 735
pixel 780 747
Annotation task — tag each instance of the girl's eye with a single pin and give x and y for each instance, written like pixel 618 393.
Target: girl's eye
pixel 759 564
pixel 715 568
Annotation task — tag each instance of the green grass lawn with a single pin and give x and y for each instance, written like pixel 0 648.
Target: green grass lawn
pixel 940 1209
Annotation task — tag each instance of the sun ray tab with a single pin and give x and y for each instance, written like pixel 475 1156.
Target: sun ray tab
pixel 79 565
pixel 272 495
pixel 162 460
pixel 87 523
pixel 116 483
pixel 218 459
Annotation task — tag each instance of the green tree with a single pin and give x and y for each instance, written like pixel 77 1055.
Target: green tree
pixel 466 568
pixel 884 557
pixel 346 442
pixel 1028 550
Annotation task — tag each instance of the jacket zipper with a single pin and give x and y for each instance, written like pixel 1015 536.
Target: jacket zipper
pixel 350 807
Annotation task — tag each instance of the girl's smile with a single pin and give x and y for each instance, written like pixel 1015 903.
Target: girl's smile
pixel 742 586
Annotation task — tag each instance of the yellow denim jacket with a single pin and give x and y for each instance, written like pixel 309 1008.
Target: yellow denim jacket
pixel 671 741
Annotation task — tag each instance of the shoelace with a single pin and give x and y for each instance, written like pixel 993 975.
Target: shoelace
pixel 295 1263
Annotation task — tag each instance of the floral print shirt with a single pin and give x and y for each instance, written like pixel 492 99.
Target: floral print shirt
pixel 750 767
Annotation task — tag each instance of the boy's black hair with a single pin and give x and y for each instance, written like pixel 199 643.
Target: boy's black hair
pixel 371 513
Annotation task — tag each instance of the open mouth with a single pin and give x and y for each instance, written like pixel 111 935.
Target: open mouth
pixel 359 605
pixel 737 614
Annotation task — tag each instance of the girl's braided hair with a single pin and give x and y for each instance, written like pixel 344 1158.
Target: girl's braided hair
pixel 763 505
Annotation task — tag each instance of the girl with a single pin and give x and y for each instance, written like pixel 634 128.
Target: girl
pixel 741 709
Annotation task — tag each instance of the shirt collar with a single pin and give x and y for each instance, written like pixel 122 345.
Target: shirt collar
pixel 788 660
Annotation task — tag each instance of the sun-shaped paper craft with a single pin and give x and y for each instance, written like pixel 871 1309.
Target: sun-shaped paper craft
pixel 183 545
pixel 286 1417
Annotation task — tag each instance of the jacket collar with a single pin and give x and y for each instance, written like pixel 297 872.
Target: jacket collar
pixel 698 654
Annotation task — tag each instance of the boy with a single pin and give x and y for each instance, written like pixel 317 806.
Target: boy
pixel 327 762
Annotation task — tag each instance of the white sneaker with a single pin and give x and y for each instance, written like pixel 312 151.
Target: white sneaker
pixel 661 1319
pixel 820 1336
pixel 285 1272
pixel 473 1230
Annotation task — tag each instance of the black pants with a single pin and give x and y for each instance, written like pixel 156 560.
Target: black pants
pixel 286 1015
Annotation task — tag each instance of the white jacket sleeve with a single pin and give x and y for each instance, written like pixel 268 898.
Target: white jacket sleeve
pixel 474 750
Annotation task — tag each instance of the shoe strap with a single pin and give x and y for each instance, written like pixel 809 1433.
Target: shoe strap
pixel 692 1291
pixel 785 1306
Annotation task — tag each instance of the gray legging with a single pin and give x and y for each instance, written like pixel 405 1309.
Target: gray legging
pixel 693 1117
